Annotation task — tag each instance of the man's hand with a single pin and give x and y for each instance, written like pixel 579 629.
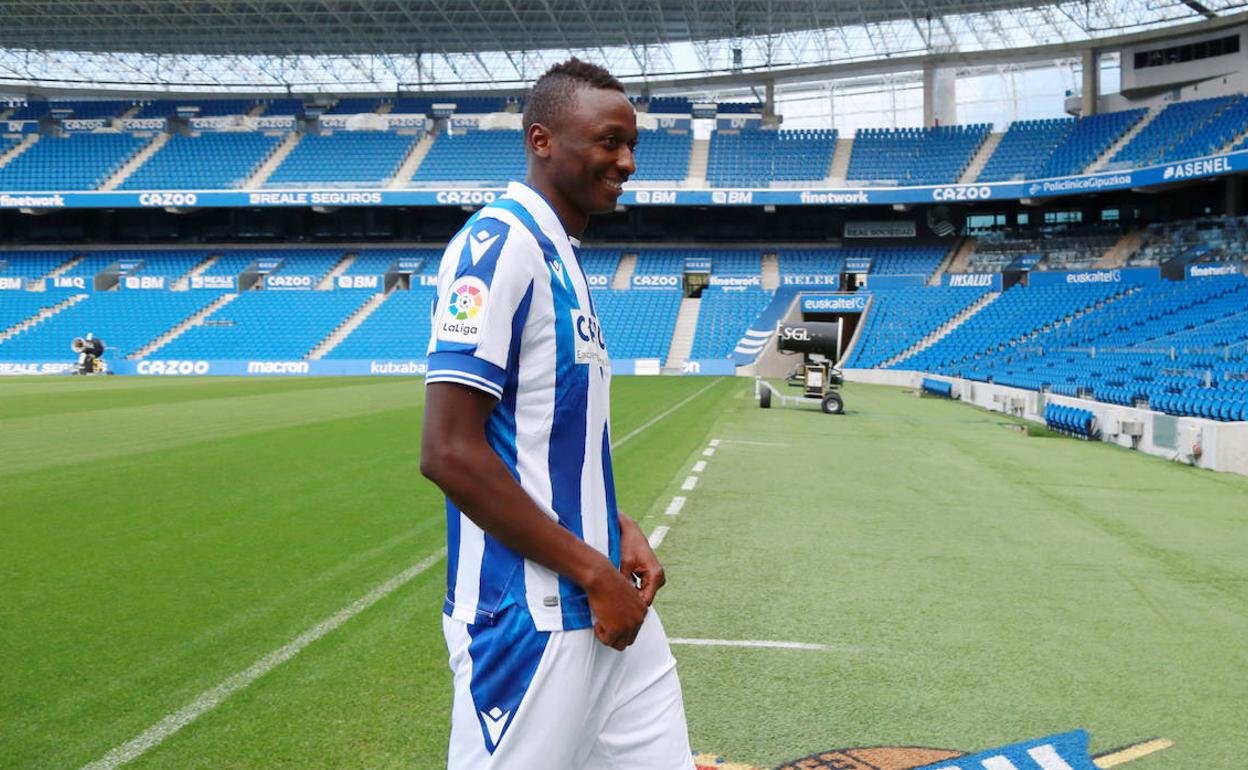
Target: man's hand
pixel 637 558
pixel 617 606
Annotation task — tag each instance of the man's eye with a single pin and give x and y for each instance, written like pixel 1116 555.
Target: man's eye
pixel 611 142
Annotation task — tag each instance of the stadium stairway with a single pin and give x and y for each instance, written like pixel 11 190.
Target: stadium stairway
pixel 624 271
pixel 1118 254
pixel 41 316
pixel 65 268
pixel 1101 162
pixel 838 173
pixel 327 281
pixel 180 329
pixel 981 158
pixel 183 282
pixel 271 163
pixel 351 324
pixel 682 335
pixel 138 159
pixel 941 331
pixel 960 258
pixel 699 160
pixel 27 142
pixel 407 169
pixel 771 271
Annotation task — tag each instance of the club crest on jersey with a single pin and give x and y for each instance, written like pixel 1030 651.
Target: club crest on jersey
pixel 464 310
pixel 590 346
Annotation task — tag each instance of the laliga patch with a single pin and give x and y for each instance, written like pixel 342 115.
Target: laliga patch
pixel 1064 751
pixel 590 346
pixel 463 311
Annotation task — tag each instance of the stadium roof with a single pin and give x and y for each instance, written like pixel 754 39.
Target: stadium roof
pixel 337 27
pixel 411 44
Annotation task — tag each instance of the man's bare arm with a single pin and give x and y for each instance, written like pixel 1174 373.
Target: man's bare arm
pixel 455 455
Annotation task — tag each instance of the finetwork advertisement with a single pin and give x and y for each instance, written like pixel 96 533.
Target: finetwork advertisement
pixel 1197 270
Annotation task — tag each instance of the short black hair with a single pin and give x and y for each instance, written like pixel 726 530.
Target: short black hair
pixel 553 91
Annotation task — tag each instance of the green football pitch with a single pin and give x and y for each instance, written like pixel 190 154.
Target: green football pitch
pixel 219 573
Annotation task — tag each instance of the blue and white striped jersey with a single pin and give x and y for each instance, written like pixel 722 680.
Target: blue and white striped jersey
pixel 515 319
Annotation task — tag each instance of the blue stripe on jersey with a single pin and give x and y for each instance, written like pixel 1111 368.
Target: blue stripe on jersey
pixel 567 444
pixel 613 512
pixel 505 656
pixel 502 569
pixel 465 363
pixel 452 555
pixel 486 252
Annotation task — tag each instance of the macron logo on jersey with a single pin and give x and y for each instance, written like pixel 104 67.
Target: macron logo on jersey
pixel 479 244
pixel 495 721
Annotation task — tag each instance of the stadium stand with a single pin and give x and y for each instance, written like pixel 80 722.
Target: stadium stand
pixel 32 265
pixel 637 323
pixel 398 328
pixel 752 157
pixel 1053 249
pixel 917 156
pixel 825 265
pixel 663 155
pixel 1184 127
pixel 669 105
pixel 126 321
pixel 739 108
pixel 603 262
pixel 344 157
pixel 18 306
pixel 210 160
pixel 900 318
pixel 378 261
pixel 901 259
pixel 169 264
pixel 484 156
pixel 1212 239
pixel 1040 149
pixel 70 162
pixel 266 325
pixel 283 107
pixel 724 315
pixel 88 109
pixel 215 108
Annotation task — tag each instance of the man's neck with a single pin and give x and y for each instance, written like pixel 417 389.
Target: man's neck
pixel 572 219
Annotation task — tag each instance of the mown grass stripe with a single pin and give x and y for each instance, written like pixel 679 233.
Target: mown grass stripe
pixel 211 698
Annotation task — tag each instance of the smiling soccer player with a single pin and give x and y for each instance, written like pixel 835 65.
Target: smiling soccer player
pixel 558 661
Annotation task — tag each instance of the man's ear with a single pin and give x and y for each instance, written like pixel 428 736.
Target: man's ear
pixel 539 139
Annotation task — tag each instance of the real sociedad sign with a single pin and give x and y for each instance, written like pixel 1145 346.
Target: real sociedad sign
pixel 1230 163
pixel 855 303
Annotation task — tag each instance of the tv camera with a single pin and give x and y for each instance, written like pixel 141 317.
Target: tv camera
pixel 90 350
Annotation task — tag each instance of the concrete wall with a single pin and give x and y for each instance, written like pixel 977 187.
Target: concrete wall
pixel 1219 446
pixel 1215 76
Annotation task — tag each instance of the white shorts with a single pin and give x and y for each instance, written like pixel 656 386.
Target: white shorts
pixel 562 700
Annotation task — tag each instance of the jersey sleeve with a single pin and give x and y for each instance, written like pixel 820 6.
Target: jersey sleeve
pixel 484 285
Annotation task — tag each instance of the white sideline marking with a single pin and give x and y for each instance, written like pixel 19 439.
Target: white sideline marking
pixel 656 418
pixel 211 698
pixel 749 643
pixel 699 466
pixel 690 483
pixel 708 452
pixel 675 505
pixel 714 442
pixel 753 443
